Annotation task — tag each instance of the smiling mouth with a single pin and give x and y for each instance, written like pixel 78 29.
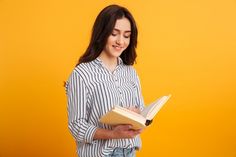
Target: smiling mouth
pixel 117 47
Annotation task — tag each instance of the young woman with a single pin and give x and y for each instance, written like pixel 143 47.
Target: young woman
pixel 104 77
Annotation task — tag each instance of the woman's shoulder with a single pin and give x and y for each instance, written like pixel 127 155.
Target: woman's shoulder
pixel 83 69
pixel 86 65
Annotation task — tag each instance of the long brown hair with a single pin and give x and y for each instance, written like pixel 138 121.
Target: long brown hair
pixel 103 27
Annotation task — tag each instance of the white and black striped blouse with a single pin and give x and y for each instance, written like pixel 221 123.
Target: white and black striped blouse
pixel 92 90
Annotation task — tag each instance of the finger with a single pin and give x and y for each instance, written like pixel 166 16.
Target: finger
pixel 135 109
pixel 127 127
pixel 137 131
pixel 124 127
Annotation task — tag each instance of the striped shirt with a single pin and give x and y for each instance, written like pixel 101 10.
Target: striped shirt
pixel 92 90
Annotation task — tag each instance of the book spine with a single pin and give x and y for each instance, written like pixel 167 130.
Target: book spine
pixel 148 122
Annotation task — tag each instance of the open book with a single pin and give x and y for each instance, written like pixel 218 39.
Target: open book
pixel 121 115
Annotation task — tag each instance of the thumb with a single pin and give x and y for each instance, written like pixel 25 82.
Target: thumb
pixel 127 127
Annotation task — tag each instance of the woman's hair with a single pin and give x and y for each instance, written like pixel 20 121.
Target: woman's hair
pixel 103 27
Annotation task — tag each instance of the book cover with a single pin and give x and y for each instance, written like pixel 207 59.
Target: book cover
pixel 121 115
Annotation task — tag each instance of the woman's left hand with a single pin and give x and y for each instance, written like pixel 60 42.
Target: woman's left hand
pixel 135 109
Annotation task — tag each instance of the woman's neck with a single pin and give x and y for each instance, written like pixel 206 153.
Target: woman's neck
pixel 109 62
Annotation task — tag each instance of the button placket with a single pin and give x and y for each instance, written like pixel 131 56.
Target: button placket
pixel 117 84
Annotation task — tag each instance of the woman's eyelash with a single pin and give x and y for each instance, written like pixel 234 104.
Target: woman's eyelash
pixel 126 36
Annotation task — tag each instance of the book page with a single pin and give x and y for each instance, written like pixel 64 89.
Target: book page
pixel 148 108
pixel 151 110
pixel 120 115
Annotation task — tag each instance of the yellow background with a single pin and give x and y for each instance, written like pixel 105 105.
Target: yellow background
pixel 186 48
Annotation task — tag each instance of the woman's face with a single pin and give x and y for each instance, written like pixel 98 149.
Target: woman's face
pixel 119 39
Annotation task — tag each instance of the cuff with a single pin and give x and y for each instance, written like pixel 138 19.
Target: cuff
pixel 89 134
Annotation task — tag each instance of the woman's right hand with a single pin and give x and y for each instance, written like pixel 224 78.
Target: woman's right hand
pixel 118 132
pixel 124 131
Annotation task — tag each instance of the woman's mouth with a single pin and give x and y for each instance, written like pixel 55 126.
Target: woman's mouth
pixel 118 48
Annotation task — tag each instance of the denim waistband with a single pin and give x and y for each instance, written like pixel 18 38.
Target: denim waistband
pixel 126 152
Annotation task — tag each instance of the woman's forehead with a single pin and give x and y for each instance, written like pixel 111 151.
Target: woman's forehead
pixel 122 25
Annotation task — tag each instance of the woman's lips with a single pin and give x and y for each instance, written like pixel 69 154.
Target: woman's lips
pixel 117 47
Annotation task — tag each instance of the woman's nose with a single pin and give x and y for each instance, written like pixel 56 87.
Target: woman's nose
pixel 120 41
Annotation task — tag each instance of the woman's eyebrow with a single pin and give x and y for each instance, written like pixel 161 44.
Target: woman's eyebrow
pixel 115 29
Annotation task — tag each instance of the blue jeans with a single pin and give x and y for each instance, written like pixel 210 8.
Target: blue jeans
pixel 123 152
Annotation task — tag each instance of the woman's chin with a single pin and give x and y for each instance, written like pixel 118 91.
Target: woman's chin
pixel 117 53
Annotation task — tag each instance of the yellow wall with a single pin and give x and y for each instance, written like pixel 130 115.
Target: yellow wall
pixel 186 48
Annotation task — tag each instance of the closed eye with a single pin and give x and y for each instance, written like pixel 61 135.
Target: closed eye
pixel 113 34
pixel 127 36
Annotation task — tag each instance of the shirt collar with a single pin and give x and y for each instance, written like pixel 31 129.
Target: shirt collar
pixel 98 61
pixel 120 61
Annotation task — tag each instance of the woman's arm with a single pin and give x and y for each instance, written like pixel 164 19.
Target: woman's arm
pixel 118 132
pixel 78 99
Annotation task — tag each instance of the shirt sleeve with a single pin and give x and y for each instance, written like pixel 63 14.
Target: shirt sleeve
pixel 139 98
pixel 78 109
